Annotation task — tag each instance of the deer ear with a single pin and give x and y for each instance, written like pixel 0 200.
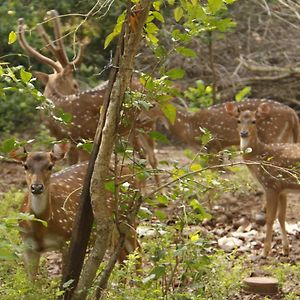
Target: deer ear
pixel 263 111
pixel 19 154
pixel 231 109
pixel 42 77
pixel 59 151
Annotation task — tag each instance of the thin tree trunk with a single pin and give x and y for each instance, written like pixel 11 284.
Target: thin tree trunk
pixel 103 218
pixel 84 217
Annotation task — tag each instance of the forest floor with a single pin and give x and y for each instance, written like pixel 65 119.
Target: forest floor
pixel 233 222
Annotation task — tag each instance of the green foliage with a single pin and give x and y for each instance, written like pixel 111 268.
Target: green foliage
pixel 288 274
pixel 243 93
pixel 116 31
pixel 18 99
pixel 199 18
pixel 14 282
pixel 199 96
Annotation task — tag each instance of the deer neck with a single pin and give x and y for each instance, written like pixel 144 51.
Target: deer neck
pixel 251 146
pixel 40 204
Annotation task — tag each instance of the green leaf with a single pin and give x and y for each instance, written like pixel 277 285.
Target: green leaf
pixel 175 73
pixel 158 16
pixel 162 199
pixel 178 13
pixel 110 186
pixel 160 215
pixel 158 271
pixel 195 167
pixel 171 2
pixel 214 5
pixel 206 136
pixel 8 145
pixel 152 38
pixel 109 38
pixel 25 76
pixel 86 145
pixel 242 93
pixel 177 35
pixel 151 28
pixel 199 209
pixel 7 254
pixel 12 37
pixel 169 111
pixel 117 30
pixel 64 116
pixel 156 5
pixel 187 52
pixel 157 136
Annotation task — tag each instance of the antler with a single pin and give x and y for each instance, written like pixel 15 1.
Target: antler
pixel 31 51
pixel 56 47
pixel 60 52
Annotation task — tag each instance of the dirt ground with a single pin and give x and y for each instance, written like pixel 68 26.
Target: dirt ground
pixel 233 218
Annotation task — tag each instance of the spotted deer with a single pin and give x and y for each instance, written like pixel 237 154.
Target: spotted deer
pixel 84 106
pixel 54 199
pixel 275 166
pixel 281 125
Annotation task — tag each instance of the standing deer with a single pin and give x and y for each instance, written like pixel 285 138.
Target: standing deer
pixel 281 125
pixel 275 166
pixel 84 106
pixel 54 198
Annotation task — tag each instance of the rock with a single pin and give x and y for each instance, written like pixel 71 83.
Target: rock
pixel 240 222
pixel 222 219
pixel 260 218
pixel 245 235
pixel 229 243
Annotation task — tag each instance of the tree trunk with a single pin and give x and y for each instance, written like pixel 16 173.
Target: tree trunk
pixel 102 215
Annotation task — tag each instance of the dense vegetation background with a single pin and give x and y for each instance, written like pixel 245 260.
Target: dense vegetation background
pixel 250 49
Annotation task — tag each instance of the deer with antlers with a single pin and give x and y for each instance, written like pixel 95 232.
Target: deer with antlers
pixel 188 127
pixel 63 90
pixel 54 199
pixel 275 166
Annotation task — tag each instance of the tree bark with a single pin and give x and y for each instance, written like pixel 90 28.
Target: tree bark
pixel 102 215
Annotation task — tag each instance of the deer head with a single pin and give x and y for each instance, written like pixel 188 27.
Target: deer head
pixel 38 168
pixel 61 80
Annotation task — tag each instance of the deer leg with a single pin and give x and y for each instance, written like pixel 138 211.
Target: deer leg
pixel 147 144
pixel 130 245
pixel 31 260
pixel 272 204
pixel 281 219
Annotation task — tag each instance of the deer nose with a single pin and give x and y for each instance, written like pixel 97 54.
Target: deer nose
pixel 244 133
pixel 37 189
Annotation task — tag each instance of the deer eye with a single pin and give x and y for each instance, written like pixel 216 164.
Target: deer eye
pixel 25 167
pixel 238 121
pixel 253 122
pixel 50 167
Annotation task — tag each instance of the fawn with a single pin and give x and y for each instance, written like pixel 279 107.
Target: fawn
pixel 274 166
pixel 54 198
